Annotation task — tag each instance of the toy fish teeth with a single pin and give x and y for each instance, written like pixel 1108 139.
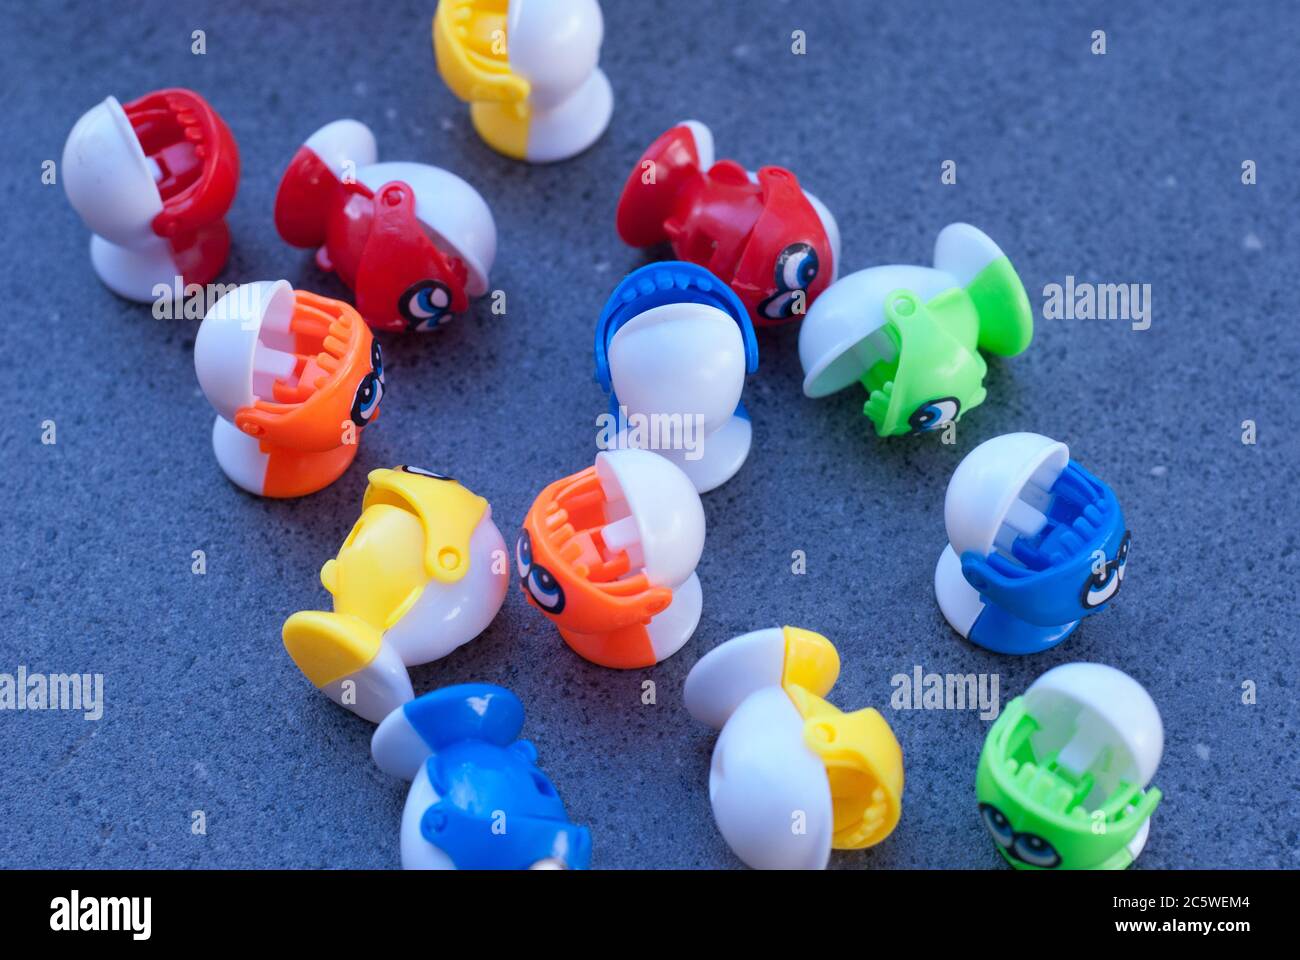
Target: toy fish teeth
pixel 423 571
pixel 792 776
pixel 478 800
pixel 173 168
pixel 609 554
pixel 913 334
pixel 528 69
pixel 1063 777
pixel 294 378
pixel 414 242
pixel 1036 544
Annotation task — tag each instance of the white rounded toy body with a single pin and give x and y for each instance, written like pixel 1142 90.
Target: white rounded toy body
pixel 792 777
pixel 673 346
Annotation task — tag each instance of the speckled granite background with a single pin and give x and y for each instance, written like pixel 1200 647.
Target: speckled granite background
pixel 1117 168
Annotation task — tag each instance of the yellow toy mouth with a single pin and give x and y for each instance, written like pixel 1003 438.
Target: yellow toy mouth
pixel 864 768
pixel 469 41
pixel 864 763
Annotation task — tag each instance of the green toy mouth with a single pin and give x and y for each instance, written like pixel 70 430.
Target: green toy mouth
pixel 1046 803
pixel 933 376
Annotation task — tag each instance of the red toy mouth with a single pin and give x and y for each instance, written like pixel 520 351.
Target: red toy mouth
pixel 195 155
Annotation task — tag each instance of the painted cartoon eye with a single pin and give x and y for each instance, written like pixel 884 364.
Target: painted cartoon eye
pixel 1036 851
pixel 778 306
pixel 1121 557
pixel 545 589
pixel 424 304
pixel 1101 586
pixel 997 824
pixel 523 555
pixel 421 472
pixel 933 415
pixel 377 360
pixel 796 267
pixel 366 402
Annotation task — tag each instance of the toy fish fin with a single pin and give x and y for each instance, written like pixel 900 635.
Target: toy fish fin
pixel 329 646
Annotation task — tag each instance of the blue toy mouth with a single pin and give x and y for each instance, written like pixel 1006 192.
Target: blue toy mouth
pixel 1072 566
pixel 1082 517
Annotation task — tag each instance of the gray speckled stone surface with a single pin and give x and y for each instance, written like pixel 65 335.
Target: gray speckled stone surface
pixel 1117 168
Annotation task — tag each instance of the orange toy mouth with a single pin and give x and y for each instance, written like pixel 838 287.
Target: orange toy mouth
pixel 569 572
pixel 195 154
pixel 337 378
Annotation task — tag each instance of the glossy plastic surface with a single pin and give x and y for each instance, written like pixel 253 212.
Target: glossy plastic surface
pixel 414 242
pixel 528 69
pixel 153 181
pixel 478 799
pixel 1063 779
pixel 792 776
pixel 609 554
pixel 422 572
pixel 295 378
pixel 773 243
pixel 912 335
pixel 1036 544
pixel 673 346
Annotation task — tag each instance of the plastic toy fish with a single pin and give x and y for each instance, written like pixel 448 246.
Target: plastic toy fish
pixel 478 800
pixel 912 335
pixel 423 571
pixel 673 345
pixel 1036 544
pixel 414 242
pixel 294 378
pixel 776 244
pixel 793 776
pixel 153 181
pixel 609 554
pixel 1063 777
pixel 527 68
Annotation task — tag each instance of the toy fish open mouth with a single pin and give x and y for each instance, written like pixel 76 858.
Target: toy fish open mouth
pixel 1054 790
pixel 607 550
pixel 1064 775
pixel 326 343
pixel 290 366
pixel 580 557
pixel 1080 535
pixel 1048 544
pixel 153 181
pixel 192 155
